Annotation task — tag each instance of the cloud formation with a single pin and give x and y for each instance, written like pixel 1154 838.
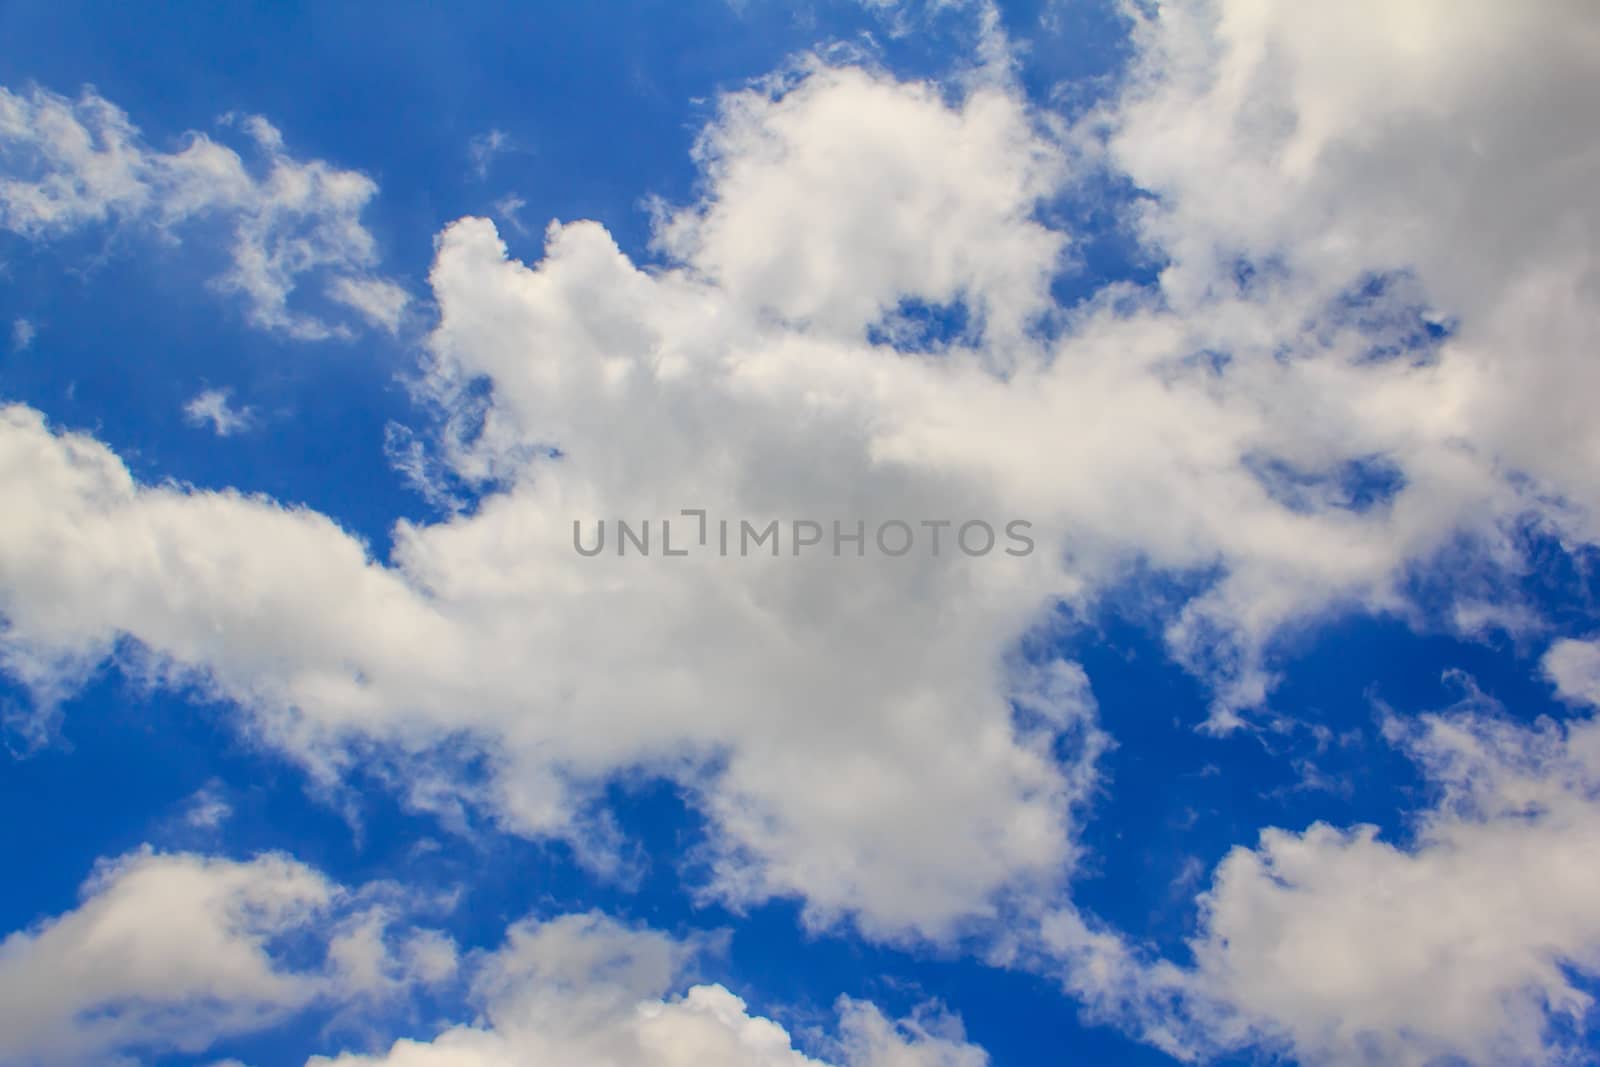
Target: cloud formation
pixel 1472 941
pixel 214 409
pixel 66 165
pixel 1226 428
pixel 173 951
pixel 1377 156
pixel 1368 355
pixel 586 989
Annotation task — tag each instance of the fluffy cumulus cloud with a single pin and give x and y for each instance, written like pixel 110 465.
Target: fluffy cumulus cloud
pixel 1444 141
pixel 748 679
pixel 1472 942
pixel 585 989
pixel 174 951
pixel 826 179
pixel 67 164
pixel 1329 190
pixel 1434 153
pixel 1369 346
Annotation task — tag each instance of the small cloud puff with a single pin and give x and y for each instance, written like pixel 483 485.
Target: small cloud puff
pixel 485 147
pixel 213 408
pixel 207 809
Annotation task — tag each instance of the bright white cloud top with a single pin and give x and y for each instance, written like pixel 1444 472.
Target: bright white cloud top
pixel 893 744
pixel 173 951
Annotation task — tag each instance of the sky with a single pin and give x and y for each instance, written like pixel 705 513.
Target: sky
pixel 1258 336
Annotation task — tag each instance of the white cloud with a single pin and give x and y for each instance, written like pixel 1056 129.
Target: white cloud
pixel 22 334
pixel 1464 944
pixel 1362 952
pixel 1444 140
pixel 380 302
pixel 852 730
pixel 509 209
pixel 937 800
pixel 208 809
pixel 65 165
pixel 213 408
pixel 484 148
pixel 741 376
pixel 899 682
pixel 1316 151
pixel 174 951
pixel 827 180
pixel 584 989
pixel 1574 667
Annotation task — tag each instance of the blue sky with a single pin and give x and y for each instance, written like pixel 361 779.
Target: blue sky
pixel 322 326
